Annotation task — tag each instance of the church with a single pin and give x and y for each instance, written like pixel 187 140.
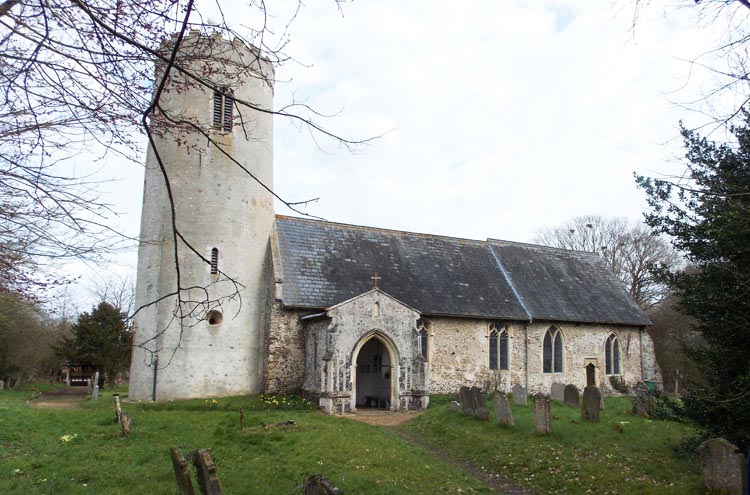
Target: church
pixel 236 299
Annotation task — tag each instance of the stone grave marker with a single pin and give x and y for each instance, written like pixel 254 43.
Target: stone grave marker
pixel 2 384
pixel 722 466
pixel 455 406
pixel 181 472
pixel 480 404
pixel 557 392
pixel 642 401
pixel 592 399
pixel 503 415
pixel 118 409
pixel 318 484
pixel 208 481
pixel 95 387
pixel 542 415
pixel 467 400
pixel 572 395
pixel 590 375
pixel 519 395
pixel 125 424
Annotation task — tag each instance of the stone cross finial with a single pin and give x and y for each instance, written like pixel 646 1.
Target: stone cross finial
pixel 375 279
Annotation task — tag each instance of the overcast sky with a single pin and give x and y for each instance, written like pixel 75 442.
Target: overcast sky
pixel 497 118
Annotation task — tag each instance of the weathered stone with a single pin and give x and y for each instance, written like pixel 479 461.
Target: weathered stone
pixel 118 409
pixel 519 395
pixel 572 395
pixel 557 392
pixel 2 384
pixel 318 484
pixel 503 415
pixel 542 415
pixel 591 375
pixel 125 424
pixel 480 404
pixel 467 400
pixel 642 400
pixel 592 398
pixel 95 387
pixel 455 406
pixel 208 481
pixel 181 472
pixel 722 466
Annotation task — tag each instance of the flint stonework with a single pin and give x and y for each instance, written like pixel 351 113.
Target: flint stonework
pixel 503 414
pixel 642 400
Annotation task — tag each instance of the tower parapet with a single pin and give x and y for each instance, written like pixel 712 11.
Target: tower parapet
pixel 216 156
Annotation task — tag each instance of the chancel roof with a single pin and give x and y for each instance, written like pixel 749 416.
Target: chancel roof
pixel 325 263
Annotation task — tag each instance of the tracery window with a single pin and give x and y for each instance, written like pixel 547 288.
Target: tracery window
pixel 612 355
pixel 552 351
pixel 499 347
pixel 223 110
pixel 423 328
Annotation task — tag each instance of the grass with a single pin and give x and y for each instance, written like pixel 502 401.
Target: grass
pixel 51 451
pixel 579 457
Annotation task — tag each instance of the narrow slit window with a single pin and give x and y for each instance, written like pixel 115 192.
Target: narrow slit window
pixel 223 110
pixel 214 261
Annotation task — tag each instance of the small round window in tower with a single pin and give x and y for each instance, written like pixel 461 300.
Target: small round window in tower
pixel 214 317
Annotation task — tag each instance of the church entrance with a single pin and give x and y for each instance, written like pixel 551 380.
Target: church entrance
pixel 375 375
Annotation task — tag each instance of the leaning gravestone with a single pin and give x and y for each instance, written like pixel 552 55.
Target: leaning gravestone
pixel 642 401
pixel 455 406
pixel 181 472
pixel 572 395
pixel 318 484
pixel 2 384
pixel 208 481
pixel 502 410
pixel 557 392
pixel 722 466
pixel 480 404
pixel 592 399
pixel 542 415
pixel 519 395
pixel 467 400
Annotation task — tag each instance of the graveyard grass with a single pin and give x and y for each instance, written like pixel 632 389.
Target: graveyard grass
pixel 81 451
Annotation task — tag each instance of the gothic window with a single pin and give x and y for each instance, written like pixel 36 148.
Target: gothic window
pixel 214 261
pixel 223 110
pixel 552 351
pixel 499 347
pixel 424 335
pixel 612 355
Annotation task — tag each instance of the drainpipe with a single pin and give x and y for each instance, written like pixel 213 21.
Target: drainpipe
pixel 155 364
pixel 640 340
pixel 526 343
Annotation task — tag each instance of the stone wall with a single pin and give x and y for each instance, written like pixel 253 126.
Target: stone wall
pixel 286 342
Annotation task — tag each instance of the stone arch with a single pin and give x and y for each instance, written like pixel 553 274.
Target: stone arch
pixel 393 365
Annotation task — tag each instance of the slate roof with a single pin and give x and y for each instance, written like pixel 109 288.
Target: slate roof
pixel 325 263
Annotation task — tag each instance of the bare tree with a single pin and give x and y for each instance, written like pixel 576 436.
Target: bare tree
pixel 630 250
pixel 77 75
pixel 116 290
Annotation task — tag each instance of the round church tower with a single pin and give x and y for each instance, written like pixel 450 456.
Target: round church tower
pixel 212 247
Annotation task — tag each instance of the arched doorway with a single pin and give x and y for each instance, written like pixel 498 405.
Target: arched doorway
pixel 376 373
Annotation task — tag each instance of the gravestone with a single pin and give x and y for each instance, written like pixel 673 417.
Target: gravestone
pixel 722 466
pixel 480 404
pixel 519 395
pixel 591 375
pixel 95 387
pixel 318 484
pixel 208 481
pixel 455 406
pixel 572 395
pixel 503 415
pixel 181 472
pixel 2 384
pixel 642 400
pixel 557 392
pixel 542 415
pixel 118 409
pixel 592 399
pixel 467 400
pixel 125 424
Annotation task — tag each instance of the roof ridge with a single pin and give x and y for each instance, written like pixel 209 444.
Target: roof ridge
pixel 378 229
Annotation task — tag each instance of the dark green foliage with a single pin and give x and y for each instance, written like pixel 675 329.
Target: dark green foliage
pixel 667 408
pixel 708 216
pixel 100 339
pixel 618 383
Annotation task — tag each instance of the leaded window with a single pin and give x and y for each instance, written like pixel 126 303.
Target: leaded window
pixel 612 355
pixel 499 347
pixel 552 351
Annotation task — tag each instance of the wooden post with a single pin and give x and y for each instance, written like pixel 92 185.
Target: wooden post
pixel 125 424
pixel 242 417
pixel 118 409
